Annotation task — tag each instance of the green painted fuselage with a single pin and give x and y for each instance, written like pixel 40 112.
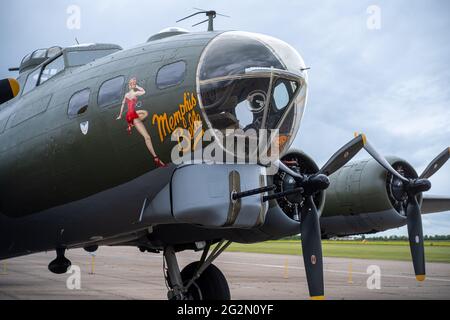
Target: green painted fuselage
pixel 46 160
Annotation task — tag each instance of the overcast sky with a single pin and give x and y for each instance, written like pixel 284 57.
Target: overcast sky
pixel 391 83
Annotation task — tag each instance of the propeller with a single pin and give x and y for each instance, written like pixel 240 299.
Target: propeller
pixel 409 190
pixel 308 186
pixel 436 164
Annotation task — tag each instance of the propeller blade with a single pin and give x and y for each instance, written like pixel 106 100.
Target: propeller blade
pixel 344 155
pixel 415 234
pixel 312 249
pixel 436 164
pixel 383 162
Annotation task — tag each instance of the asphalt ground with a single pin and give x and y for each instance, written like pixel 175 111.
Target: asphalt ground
pixel 125 273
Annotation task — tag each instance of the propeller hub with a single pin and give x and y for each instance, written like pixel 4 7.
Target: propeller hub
pixel 418 185
pixel 316 183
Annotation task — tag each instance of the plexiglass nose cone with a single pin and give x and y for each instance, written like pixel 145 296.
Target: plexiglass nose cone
pixel 248 82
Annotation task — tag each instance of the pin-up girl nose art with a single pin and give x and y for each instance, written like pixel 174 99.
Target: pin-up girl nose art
pixel 135 118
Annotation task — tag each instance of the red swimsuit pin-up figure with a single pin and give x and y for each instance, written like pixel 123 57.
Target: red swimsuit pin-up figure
pixel 135 118
pixel 131 113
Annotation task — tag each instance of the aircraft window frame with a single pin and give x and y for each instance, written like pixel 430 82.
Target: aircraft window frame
pixel 171 84
pixel 285 94
pixel 85 107
pixel 112 102
pixel 39 54
pixel 25 90
pixel 48 63
pixel 26 58
pixel 54 52
pixel 71 56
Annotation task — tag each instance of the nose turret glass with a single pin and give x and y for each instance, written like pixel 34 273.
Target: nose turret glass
pixel 251 81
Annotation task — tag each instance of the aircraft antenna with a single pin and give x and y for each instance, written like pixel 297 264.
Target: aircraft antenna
pixel 211 14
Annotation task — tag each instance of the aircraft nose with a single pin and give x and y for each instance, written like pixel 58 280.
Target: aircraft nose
pixel 252 81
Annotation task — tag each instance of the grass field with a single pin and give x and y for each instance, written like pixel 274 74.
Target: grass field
pixel 435 251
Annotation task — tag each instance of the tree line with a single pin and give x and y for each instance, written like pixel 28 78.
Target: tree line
pixel 382 238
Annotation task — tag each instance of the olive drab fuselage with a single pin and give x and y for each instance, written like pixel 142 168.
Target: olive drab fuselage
pixel 45 158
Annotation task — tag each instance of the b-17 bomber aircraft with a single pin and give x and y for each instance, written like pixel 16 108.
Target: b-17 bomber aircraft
pixel 86 158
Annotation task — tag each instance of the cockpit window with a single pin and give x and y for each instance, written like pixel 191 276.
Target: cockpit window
pixel 79 58
pixel 41 53
pixel 53 52
pixel 26 58
pixel 32 80
pixel 51 69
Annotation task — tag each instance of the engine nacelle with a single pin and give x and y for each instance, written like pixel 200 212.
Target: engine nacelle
pixel 9 89
pixel 300 162
pixel 364 198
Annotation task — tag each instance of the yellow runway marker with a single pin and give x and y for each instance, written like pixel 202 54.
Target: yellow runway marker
pixel 350 273
pixel 286 270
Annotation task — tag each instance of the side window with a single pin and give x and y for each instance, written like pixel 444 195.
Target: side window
pixel 111 91
pixel 79 103
pixel 31 81
pixel 52 69
pixel 171 75
pixel 281 95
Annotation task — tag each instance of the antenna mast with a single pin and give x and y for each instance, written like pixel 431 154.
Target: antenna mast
pixel 211 14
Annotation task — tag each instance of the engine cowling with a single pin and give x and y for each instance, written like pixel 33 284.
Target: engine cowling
pixel 364 198
pixel 300 162
pixel 9 88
